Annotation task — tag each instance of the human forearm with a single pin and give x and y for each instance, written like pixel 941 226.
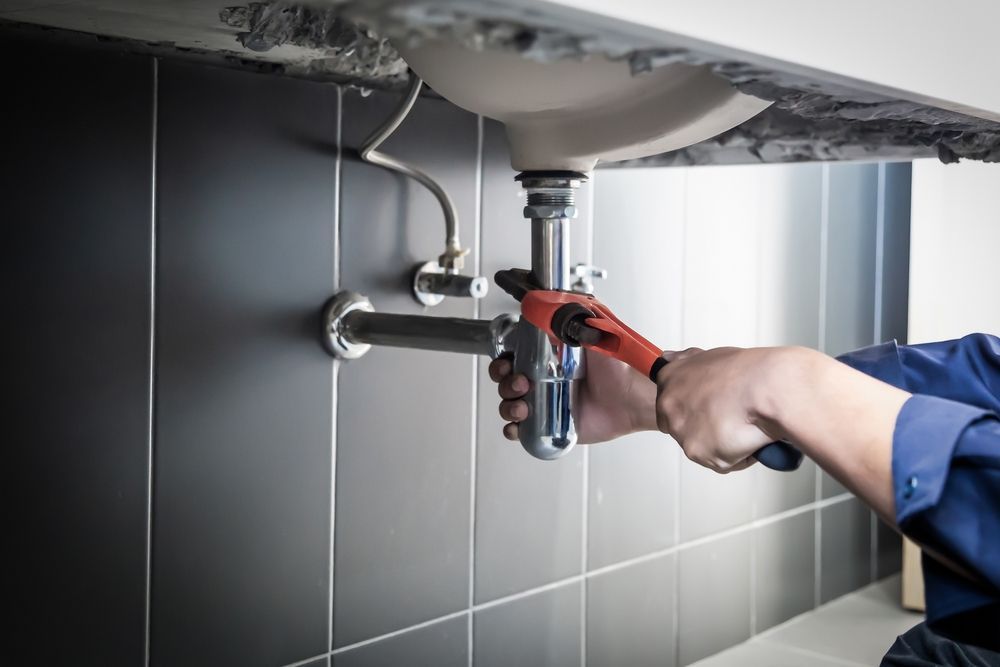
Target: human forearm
pixel 841 418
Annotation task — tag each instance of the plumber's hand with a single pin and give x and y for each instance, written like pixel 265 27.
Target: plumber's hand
pixel 614 399
pixel 711 402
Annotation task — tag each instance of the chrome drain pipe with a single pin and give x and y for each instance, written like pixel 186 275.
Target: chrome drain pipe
pixel 554 368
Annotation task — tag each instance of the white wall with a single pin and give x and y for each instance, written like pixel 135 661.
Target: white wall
pixel 954 250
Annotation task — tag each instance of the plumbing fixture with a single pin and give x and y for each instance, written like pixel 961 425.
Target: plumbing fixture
pixel 585 275
pixel 571 113
pixel 351 326
pixel 433 280
pixel 432 283
pixel 561 118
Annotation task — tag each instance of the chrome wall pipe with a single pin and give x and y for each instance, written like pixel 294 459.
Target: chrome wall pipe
pixel 351 326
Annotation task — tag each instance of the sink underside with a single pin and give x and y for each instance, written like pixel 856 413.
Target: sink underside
pixel 348 42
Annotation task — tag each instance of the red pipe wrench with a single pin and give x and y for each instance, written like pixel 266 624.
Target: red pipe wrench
pixel 580 320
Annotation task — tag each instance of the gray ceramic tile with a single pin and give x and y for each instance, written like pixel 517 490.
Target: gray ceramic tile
pixel 788 279
pixel 243 392
pixel 896 251
pixel 630 615
pixel 529 513
pixel 784 569
pixel 631 497
pixel 845 543
pixel 638 239
pixel 781 491
pixel 850 284
pixel 711 502
pixel 889 551
pixel 541 630
pixel 714 603
pixel 859 627
pixel 719 308
pixel 404 417
pixel 829 487
pixel 722 222
pixel 761 653
pixel 76 173
pixel 444 644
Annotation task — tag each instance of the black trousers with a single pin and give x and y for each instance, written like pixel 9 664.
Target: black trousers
pixel 922 647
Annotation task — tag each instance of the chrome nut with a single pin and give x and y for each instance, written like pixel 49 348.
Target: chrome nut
pixel 547 212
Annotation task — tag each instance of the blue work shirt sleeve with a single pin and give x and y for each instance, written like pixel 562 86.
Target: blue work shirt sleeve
pixel 946 460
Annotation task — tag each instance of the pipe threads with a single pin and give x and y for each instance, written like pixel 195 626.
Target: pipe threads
pixel 552 197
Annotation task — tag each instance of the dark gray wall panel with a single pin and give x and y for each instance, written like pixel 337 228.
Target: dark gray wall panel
pixel 405 417
pixel 77 180
pixel 630 616
pixel 443 644
pixel 243 391
pixel 529 513
pixel 845 542
pixel 540 630
pixel 784 569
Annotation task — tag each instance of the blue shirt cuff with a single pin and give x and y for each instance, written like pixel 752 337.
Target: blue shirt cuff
pixel 927 430
pixel 879 361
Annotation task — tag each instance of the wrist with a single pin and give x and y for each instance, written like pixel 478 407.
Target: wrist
pixel 641 405
pixel 788 375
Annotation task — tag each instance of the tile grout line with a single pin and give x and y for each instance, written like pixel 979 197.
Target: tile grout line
pixel 154 127
pixel 474 455
pixel 306 661
pixel 879 254
pixel 334 369
pixel 877 330
pixel 395 633
pixel 824 247
pixel 566 581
